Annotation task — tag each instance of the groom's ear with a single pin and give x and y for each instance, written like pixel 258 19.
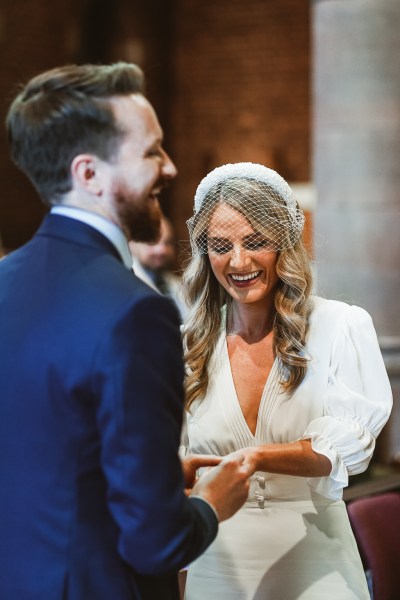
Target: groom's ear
pixel 88 174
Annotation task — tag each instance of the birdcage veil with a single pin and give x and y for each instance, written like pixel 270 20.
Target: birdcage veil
pixel 259 194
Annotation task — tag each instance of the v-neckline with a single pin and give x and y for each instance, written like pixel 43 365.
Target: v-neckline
pixel 267 401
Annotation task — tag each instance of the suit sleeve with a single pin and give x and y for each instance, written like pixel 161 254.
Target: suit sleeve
pixel 139 380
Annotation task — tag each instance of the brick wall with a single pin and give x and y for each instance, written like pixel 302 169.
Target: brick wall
pixel 34 36
pixel 229 80
pixel 241 90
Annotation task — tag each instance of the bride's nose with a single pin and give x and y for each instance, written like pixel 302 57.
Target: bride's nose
pixel 240 258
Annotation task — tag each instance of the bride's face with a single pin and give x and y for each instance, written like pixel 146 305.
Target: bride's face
pixel 240 257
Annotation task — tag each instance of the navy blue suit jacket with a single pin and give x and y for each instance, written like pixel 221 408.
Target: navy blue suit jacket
pixel 91 488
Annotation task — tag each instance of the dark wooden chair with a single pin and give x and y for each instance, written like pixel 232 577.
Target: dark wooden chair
pixel 376 524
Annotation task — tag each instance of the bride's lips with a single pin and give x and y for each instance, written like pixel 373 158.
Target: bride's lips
pixel 244 280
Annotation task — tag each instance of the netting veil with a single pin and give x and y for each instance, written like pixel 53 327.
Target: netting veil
pixel 253 191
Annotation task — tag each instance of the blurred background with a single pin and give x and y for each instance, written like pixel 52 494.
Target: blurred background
pixel 308 88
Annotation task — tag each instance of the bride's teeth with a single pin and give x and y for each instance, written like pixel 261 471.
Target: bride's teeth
pixel 245 277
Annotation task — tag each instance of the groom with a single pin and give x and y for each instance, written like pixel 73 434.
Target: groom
pixel 92 501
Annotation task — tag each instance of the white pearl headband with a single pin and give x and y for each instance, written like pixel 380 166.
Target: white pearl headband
pixel 276 218
pixel 245 170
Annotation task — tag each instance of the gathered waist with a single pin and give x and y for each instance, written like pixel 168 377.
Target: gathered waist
pixel 270 488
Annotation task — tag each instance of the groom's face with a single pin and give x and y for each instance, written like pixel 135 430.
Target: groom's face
pixel 140 168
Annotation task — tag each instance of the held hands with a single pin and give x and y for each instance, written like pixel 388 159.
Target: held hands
pixel 226 486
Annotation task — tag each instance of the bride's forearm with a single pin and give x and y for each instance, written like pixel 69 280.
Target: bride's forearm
pixel 296 458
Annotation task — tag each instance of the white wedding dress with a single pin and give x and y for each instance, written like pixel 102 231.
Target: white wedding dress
pixel 292 539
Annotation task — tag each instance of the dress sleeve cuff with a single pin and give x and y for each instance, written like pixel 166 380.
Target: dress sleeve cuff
pixel 331 486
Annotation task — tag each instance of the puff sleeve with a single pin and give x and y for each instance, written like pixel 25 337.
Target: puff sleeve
pixel 356 403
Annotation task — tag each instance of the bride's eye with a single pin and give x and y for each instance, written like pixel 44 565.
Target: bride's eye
pixel 219 245
pixel 256 242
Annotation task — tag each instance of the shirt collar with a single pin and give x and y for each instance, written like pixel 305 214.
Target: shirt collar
pixel 111 231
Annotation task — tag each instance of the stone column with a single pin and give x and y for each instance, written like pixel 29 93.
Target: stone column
pixel 356 164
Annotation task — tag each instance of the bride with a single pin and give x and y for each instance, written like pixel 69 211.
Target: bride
pixel 294 383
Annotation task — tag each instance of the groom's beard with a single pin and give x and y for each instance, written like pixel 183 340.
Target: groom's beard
pixel 139 218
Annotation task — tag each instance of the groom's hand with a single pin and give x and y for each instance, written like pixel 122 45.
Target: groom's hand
pixel 226 486
pixel 191 464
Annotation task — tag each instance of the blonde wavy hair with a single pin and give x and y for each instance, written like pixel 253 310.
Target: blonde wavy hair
pixel 206 296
